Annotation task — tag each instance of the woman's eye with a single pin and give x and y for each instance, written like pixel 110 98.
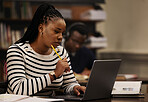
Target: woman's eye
pixel 64 33
pixel 56 31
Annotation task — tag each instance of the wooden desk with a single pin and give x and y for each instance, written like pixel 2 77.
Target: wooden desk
pixel 120 100
pixel 145 99
pixel 144 80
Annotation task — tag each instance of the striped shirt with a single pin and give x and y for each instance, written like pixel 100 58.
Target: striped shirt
pixel 28 71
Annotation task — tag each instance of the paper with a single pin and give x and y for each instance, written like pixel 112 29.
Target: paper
pixel 127 87
pixel 35 99
pixel 81 77
pixel 11 97
pixel 23 98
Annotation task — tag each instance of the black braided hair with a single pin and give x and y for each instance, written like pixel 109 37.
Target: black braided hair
pixel 43 12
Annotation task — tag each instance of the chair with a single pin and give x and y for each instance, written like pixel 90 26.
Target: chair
pixel 4 84
pixel 3 87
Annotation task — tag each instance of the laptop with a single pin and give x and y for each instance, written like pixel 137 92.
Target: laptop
pixel 101 81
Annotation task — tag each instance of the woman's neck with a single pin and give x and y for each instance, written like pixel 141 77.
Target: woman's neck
pixel 41 49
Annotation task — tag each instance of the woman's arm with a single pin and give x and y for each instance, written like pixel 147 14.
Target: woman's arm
pixel 18 82
pixel 69 80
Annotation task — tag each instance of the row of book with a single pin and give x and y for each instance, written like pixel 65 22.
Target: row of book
pixel 97 42
pixel 9 36
pixel 87 15
pixel 26 9
pixel 93 15
pixel 16 10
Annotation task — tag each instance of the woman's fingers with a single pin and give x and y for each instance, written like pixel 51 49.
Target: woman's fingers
pixel 67 68
pixel 79 89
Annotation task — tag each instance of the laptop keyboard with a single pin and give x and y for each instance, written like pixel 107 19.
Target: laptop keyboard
pixel 70 97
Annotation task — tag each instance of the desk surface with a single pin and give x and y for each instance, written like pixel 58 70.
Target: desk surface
pixel 144 81
pixel 120 100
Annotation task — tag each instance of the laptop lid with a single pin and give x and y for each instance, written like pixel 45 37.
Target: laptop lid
pixel 102 78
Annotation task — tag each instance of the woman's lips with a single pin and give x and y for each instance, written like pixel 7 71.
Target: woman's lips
pixel 57 43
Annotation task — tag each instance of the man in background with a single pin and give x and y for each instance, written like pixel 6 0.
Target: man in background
pixel 81 57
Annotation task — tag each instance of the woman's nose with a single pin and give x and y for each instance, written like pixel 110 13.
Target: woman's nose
pixel 60 36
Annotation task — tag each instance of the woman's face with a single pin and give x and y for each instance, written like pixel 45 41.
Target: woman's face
pixel 52 32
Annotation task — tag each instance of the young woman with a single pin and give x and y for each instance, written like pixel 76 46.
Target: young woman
pixel 33 65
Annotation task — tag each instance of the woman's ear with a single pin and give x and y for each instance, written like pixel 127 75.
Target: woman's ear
pixel 40 28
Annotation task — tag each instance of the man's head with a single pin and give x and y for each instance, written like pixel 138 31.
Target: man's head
pixel 75 37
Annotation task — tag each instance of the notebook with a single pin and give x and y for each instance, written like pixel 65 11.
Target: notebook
pixel 127 89
pixel 101 81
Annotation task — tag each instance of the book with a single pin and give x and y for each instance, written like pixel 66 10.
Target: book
pixel 7 9
pixel 97 42
pixel 13 11
pixel 67 13
pixel 18 9
pixel 93 15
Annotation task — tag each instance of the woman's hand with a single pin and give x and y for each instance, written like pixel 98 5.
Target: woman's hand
pixel 61 66
pixel 78 89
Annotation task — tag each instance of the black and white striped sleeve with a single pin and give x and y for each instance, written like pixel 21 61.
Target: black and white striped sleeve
pixel 69 80
pixel 18 82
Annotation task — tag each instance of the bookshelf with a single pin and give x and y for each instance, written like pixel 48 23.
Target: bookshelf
pixel 16 15
pixel 71 2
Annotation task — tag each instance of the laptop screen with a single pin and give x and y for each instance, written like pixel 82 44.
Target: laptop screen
pixel 102 78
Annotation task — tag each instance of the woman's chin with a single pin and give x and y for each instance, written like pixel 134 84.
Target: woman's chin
pixel 55 45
